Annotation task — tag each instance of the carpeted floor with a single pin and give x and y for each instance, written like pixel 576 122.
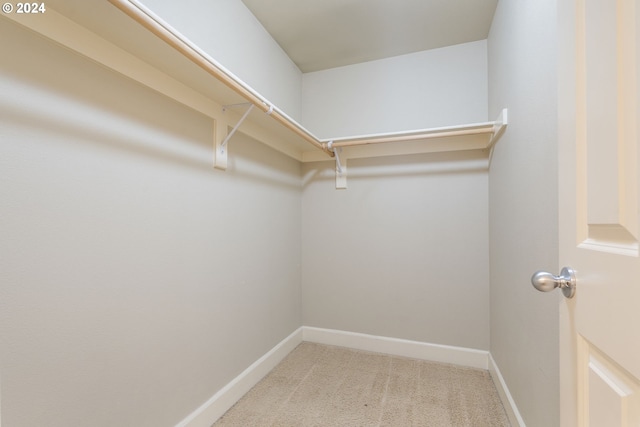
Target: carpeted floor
pixel 324 386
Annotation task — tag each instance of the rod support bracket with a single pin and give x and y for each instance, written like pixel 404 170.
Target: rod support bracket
pixel 341 166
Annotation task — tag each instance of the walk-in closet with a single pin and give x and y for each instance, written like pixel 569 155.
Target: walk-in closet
pixel 183 207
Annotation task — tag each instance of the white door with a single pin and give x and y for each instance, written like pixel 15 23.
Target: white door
pixel 599 52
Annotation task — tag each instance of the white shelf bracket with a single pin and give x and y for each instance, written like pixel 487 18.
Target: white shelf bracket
pixel 341 166
pixel 220 160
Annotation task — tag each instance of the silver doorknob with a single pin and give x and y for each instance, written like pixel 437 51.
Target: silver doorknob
pixel 545 282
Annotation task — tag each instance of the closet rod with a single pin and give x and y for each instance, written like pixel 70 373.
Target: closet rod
pixel 411 137
pixel 157 26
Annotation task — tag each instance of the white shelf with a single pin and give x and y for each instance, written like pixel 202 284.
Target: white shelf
pixel 140 46
pixel 476 136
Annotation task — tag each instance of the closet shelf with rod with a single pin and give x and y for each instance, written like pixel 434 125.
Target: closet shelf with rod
pixel 465 137
pixel 477 136
pixel 141 46
pixel 184 46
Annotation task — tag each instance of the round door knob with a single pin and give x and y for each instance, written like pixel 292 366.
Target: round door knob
pixel 545 282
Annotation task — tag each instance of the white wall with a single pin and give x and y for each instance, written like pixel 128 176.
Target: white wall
pixel 523 206
pixel 229 33
pixel 135 280
pixel 403 252
pixel 439 87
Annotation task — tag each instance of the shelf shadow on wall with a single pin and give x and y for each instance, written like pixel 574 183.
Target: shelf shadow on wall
pixel 403 166
pixel 248 160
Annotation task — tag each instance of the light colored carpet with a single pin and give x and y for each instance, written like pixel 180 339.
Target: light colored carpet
pixel 318 385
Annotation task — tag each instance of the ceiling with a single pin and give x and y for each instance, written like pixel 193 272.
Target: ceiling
pixel 322 34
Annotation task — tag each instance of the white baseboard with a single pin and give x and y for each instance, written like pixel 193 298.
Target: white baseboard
pixel 505 396
pixel 225 398
pixel 398 347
